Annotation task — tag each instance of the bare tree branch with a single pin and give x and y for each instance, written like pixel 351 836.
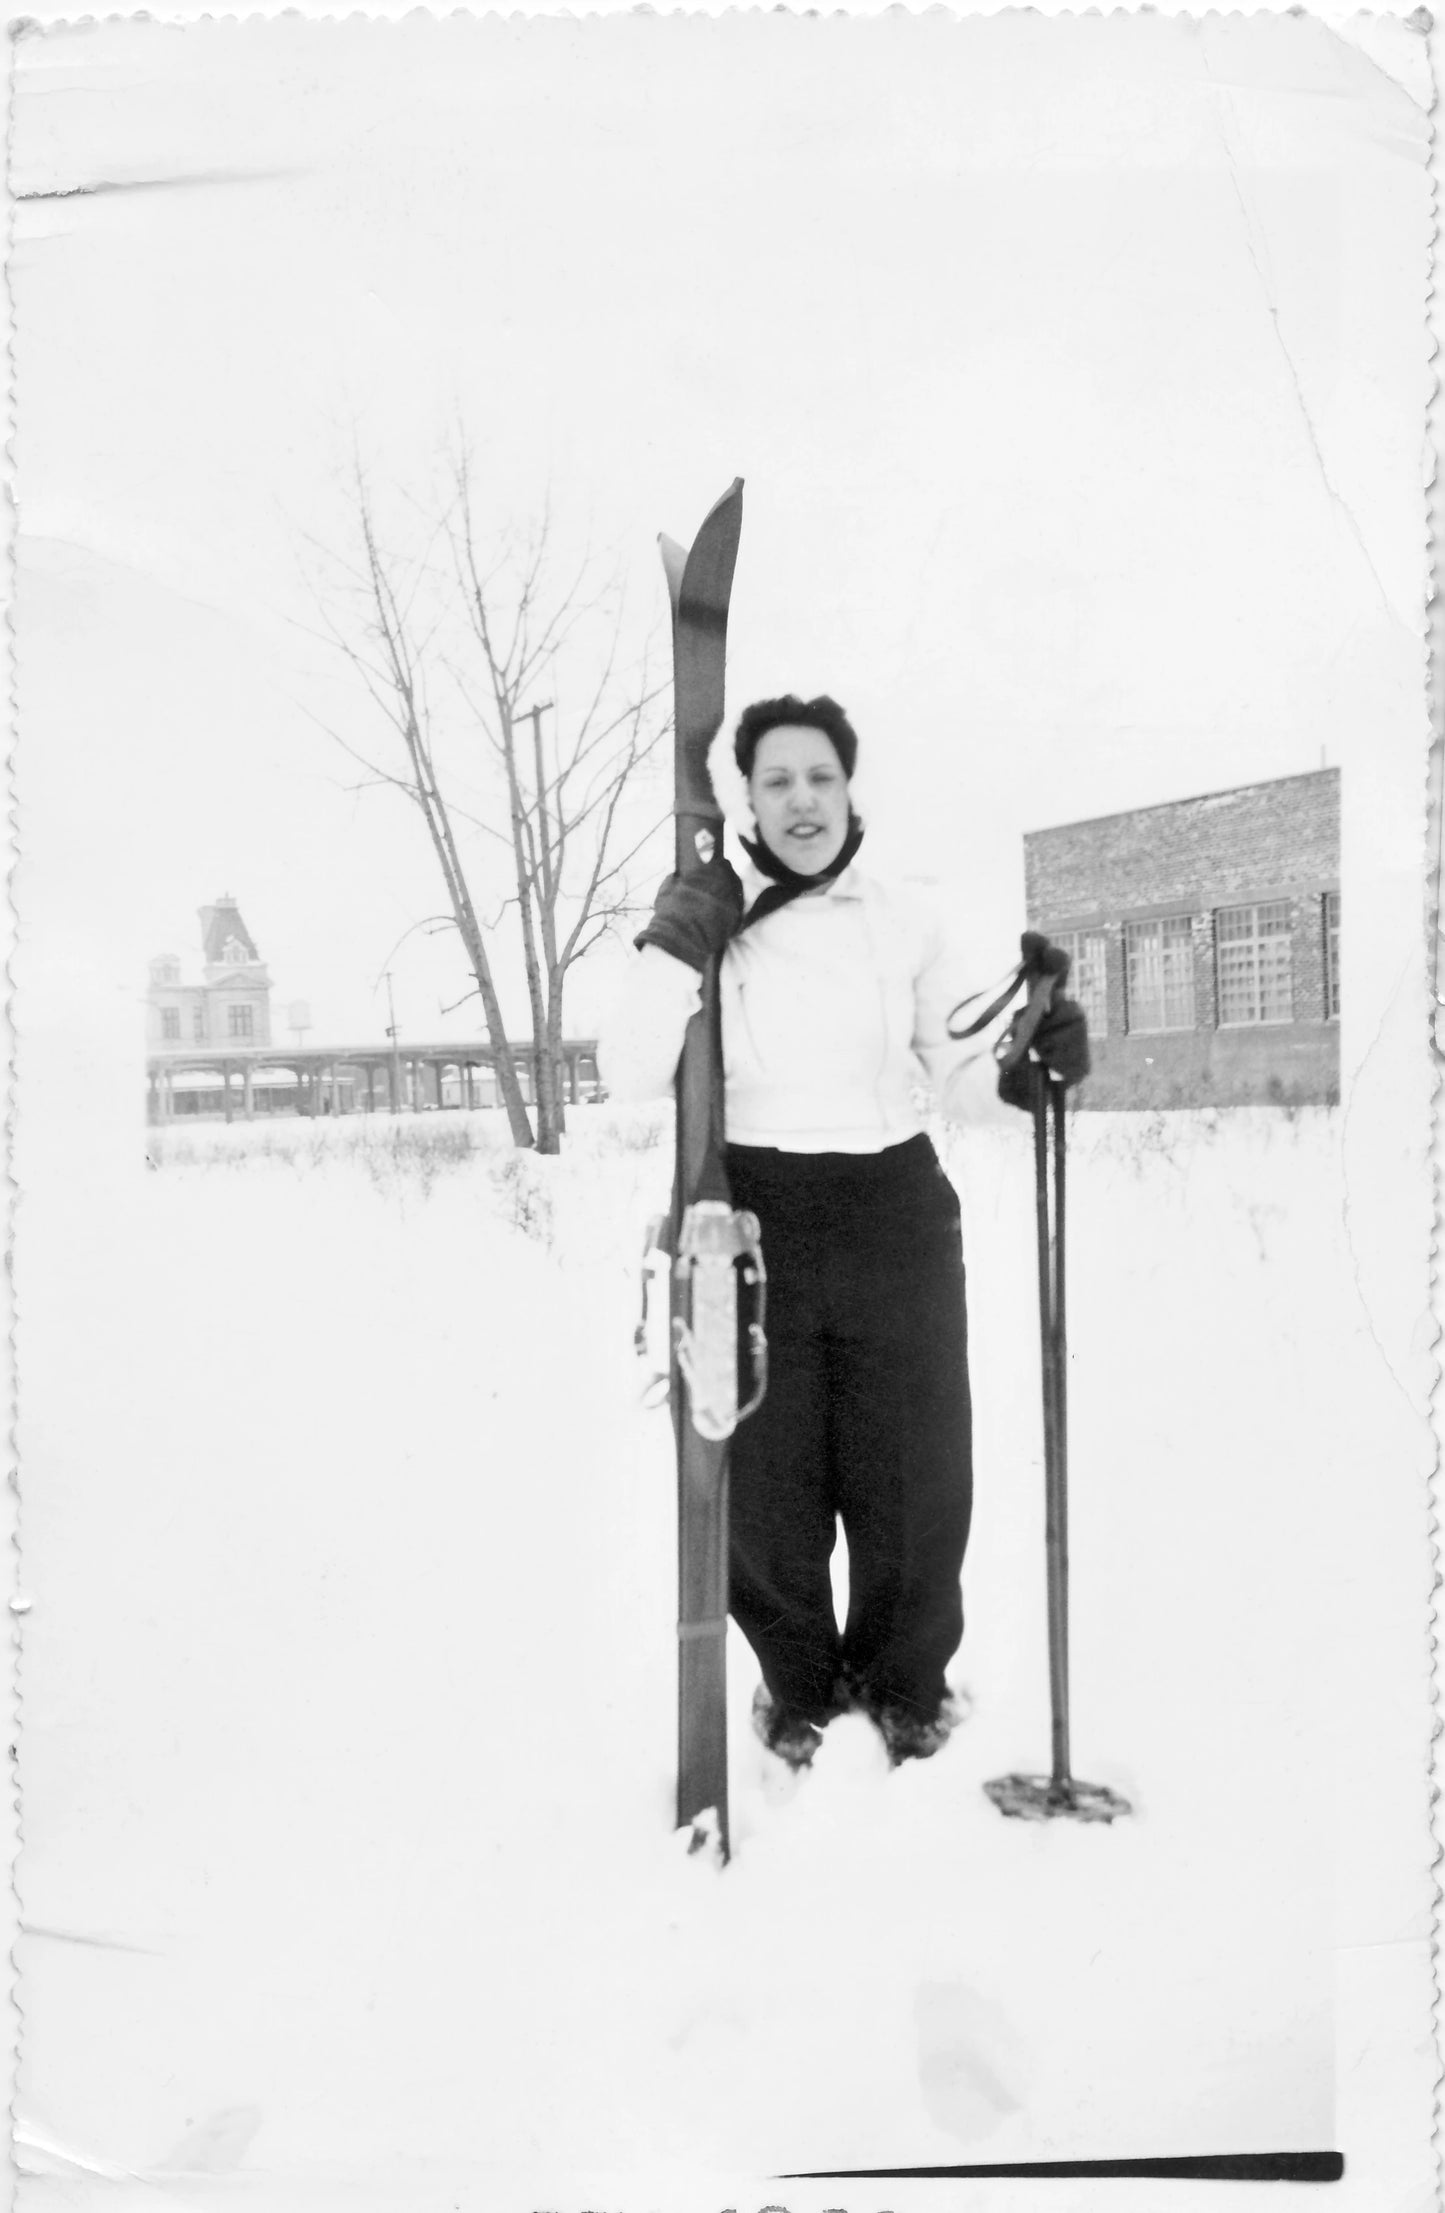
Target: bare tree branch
pixel 475 659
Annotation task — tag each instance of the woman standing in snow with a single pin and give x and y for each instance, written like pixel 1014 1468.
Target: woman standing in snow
pixel 833 988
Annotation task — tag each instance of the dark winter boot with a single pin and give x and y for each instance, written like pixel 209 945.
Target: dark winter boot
pixel 912 1735
pixel 784 1730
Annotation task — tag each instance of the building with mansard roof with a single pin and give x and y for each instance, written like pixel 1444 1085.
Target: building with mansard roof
pixel 1205 937
pixel 231 1005
pixel 209 1050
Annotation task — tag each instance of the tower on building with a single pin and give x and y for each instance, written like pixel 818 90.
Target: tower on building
pixel 232 1003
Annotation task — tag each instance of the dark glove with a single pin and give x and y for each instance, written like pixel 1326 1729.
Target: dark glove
pixel 1040 958
pixel 693 917
pixel 1061 1040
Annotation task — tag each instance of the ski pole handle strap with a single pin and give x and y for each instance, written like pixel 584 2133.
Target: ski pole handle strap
pixel 1042 964
pixel 995 1006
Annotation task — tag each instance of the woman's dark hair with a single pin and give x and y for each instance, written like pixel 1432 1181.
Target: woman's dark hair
pixel 822 713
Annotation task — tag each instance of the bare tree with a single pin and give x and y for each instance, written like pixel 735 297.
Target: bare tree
pixel 565 774
pixel 490 654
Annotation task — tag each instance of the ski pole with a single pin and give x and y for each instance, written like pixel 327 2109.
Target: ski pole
pixel 1056 1544
pixel 1042 1797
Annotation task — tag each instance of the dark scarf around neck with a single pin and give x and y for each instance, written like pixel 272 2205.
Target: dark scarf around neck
pixel 787 883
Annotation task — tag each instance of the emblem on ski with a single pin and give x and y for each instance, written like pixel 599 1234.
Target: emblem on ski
pixel 715 1250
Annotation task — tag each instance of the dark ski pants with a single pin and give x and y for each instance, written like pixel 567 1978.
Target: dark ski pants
pixel 866 1420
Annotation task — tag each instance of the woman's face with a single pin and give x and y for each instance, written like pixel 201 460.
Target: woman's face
pixel 800 797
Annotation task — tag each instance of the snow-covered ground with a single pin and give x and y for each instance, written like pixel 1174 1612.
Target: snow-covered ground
pixel 350 1691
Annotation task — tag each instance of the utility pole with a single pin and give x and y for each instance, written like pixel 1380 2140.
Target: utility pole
pixel 396 1099
pixel 546 1081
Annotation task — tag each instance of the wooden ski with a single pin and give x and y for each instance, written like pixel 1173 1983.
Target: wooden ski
pixel 714 1250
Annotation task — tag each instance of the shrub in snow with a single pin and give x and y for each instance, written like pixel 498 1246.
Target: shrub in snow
pixel 522 1183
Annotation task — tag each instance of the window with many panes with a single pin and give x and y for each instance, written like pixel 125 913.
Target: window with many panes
pixel 1159 973
pixel 170 1022
pixel 238 1021
pixel 1253 951
pixel 198 1022
pixel 1332 956
pixel 1087 984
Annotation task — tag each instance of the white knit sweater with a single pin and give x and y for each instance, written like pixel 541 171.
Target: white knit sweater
pixel 834 1008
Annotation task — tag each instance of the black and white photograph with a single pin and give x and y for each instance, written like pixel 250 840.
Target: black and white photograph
pixel 723 1224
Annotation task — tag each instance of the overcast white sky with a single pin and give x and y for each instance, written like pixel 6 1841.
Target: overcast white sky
pixel 1072 367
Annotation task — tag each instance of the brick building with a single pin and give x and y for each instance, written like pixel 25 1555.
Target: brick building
pixel 1205 936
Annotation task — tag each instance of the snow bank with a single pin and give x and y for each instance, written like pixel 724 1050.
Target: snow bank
pixel 376 1778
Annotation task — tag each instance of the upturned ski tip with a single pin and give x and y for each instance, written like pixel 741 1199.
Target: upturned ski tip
pixel 704 594
pixel 674 555
pixel 674 561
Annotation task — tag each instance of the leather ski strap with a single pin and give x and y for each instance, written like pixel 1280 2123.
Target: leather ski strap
pixel 994 1007
pixel 1012 1046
